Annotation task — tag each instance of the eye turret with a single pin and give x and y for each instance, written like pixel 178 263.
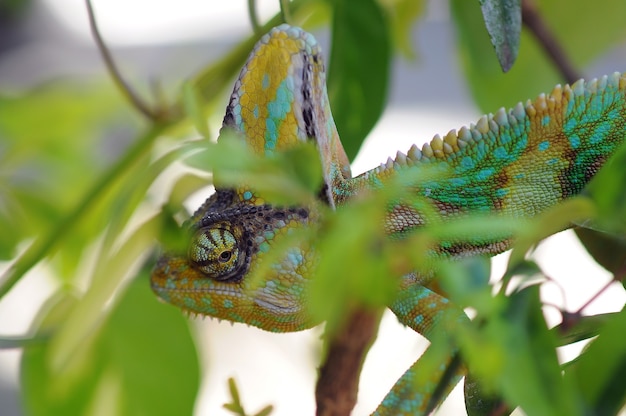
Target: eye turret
pixel 218 251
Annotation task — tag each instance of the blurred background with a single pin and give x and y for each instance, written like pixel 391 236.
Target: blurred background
pixel 47 42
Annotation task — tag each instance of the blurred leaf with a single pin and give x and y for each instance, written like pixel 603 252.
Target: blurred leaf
pixel 50 150
pixel 522 364
pixel 193 107
pixel 600 371
pixel 607 191
pixel 112 266
pixel 467 282
pixel 359 69
pixel 605 237
pixel 556 218
pixel 479 402
pixel 607 250
pixel 286 178
pixel 503 20
pixel 584 327
pixel 354 267
pixel 403 14
pixel 141 361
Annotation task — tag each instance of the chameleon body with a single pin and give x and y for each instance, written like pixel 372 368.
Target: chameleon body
pixel 515 163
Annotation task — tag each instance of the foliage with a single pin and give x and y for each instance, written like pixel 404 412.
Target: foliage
pixel 75 210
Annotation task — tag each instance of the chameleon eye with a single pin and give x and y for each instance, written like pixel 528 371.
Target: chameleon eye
pixel 225 256
pixel 216 252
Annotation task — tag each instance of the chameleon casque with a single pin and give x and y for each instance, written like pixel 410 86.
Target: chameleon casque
pixel 516 163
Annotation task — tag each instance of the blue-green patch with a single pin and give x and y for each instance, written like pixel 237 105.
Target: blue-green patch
pixel 264 247
pixel 501 192
pixel 265 83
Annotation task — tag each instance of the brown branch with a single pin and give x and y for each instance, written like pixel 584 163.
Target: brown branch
pixel 338 383
pixel 537 26
pixel 116 75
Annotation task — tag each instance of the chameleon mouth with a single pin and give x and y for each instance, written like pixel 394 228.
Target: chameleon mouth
pixel 189 289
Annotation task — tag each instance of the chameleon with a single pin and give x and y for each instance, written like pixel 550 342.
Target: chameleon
pixel 516 163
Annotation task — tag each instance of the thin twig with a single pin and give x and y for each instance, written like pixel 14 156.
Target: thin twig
pixel 123 86
pixel 595 296
pixel 535 23
pixel 254 20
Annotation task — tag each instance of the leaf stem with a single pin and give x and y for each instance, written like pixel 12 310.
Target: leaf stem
pixel 254 20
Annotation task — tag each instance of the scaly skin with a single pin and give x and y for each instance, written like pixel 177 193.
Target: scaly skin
pixel 515 163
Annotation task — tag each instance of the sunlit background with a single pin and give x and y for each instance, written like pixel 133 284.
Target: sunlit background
pixel 168 41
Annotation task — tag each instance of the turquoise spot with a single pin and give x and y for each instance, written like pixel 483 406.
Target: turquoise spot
pixel 600 132
pixel 271 134
pixel 458 182
pixel 255 111
pixel 501 192
pixel 505 136
pixel 265 83
pixel 227 303
pixel 190 302
pixel 500 153
pixel 277 111
pixel 419 319
pixel 545 121
pixel 264 247
pixel 485 174
pixel 467 162
pixel 574 141
pixel 247 195
pixel 519 176
pixel 552 161
pixel 295 258
pixel 543 146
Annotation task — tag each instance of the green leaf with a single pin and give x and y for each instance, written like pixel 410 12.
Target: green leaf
pixel 402 16
pixel 359 69
pixel 607 250
pixel 584 327
pixel 286 178
pixel 512 353
pixel 142 361
pixel 600 371
pixel 50 150
pixel 607 191
pixel 479 402
pixel 503 19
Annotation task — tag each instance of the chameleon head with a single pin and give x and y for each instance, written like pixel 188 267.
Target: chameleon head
pixel 232 270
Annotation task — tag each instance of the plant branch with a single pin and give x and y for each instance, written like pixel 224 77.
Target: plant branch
pixel 338 383
pixel 538 27
pixel 116 76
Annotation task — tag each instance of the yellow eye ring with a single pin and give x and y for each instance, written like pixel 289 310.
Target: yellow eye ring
pixel 216 251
